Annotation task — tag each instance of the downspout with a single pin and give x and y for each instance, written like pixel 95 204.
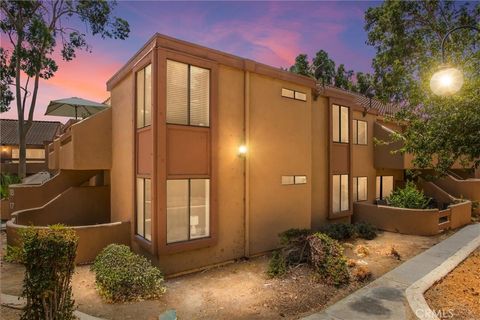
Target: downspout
pixel 246 169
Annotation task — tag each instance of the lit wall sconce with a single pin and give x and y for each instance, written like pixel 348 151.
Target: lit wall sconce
pixel 242 150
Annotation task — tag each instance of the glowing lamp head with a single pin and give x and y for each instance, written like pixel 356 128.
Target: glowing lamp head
pixel 446 81
pixel 242 150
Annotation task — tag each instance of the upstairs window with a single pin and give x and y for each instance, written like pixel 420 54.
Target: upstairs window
pixel 188 94
pixel 297 95
pixel 144 96
pixel 340 119
pixel 359 132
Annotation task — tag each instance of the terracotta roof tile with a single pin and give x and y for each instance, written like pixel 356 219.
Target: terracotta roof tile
pixel 39 132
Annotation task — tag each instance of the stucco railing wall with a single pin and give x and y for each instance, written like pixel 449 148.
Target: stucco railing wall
pixel 54 155
pixel 411 221
pixel 4 207
pixel 88 143
pixel 383 156
pixel 466 189
pixel 77 206
pixel 91 239
pixel 34 196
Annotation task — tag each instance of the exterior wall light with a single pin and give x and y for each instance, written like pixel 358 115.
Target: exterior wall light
pixel 242 150
pixel 448 80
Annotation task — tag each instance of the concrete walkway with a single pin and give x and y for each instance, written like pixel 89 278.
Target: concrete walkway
pixel 18 303
pixel 385 297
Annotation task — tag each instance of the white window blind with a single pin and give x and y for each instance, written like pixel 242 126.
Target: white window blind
pixel 199 96
pixel 340 199
pixel 360 188
pixel 177 92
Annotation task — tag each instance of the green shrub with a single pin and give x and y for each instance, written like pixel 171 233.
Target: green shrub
pixel 121 275
pixel 328 260
pixel 408 197
pixel 7 179
pixel 49 259
pixel 277 265
pixel 339 231
pixel 292 235
pixel 365 230
pixel 14 254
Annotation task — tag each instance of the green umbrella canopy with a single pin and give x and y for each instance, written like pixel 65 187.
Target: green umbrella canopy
pixel 74 107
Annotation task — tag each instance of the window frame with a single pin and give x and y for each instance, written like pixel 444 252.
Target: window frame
pixel 143 68
pixel 340 107
pixel 355 190
pixel 340 193
pixel 294 94
pixel 355 132
pixel 143 236
pixel 189 238
pixel 189 65
pixel 380 186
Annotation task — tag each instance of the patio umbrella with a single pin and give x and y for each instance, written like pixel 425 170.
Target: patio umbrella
pixel 74 107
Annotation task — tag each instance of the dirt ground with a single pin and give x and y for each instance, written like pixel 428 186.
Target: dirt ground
pixel 457 296
pixel 240 290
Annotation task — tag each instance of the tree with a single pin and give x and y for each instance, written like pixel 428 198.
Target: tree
pixel 343 78
pixel 301 66
pixel 364 81
pixel 35 29
pixel 407 38
pixel 324 67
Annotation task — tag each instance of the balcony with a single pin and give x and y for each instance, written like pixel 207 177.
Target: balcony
pixel 385 157
pixel 87 145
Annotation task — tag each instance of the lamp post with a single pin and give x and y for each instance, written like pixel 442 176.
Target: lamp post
pixel 448 80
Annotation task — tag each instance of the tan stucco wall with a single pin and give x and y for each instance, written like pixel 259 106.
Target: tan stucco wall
pixel 280 144
pixel 319 180
pixel 90 144
pixel 364 158
pixel 33 196
pixel 121 173
pixel 230 228
pixel 406 221
pixel 460 214
pixel 466 189
pixel 91 239
pixel 75 206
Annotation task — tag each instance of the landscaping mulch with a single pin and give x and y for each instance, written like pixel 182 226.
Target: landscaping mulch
pixel 457 296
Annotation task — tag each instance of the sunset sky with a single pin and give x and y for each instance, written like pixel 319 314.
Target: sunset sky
pixel 268 32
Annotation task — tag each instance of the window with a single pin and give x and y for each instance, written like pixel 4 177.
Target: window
pixel 360 132
pixel 340 124
pixel 340 201
pixel 288 93
pixel 287 180
pixel 144 208
pixel 188 94
pixel 188 209
pixel 360 188
pixel 384 186
pixel 144 97
pixel 32 155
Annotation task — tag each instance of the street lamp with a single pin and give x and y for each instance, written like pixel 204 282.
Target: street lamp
pixel 448 80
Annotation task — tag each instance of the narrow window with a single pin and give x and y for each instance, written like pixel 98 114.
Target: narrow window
pixel 287 93
pixel 340 199
pixel 360 187
pixel 340 124
pixel 188 94
pixel 359 132
pixel 144 96
pixel 384 187
pixel 300 96
pixel 144 208
pixel 188 209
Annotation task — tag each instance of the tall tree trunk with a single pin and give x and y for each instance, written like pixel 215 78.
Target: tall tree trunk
pixel 22 146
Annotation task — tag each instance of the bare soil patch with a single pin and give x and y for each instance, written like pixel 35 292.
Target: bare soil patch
pixel 240 290
pixel 457 296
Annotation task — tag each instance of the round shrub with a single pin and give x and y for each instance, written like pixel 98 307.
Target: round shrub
pixel 339 231
pixel 121 275
pixel 366 230
pixel 327 258
pixel 408 197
